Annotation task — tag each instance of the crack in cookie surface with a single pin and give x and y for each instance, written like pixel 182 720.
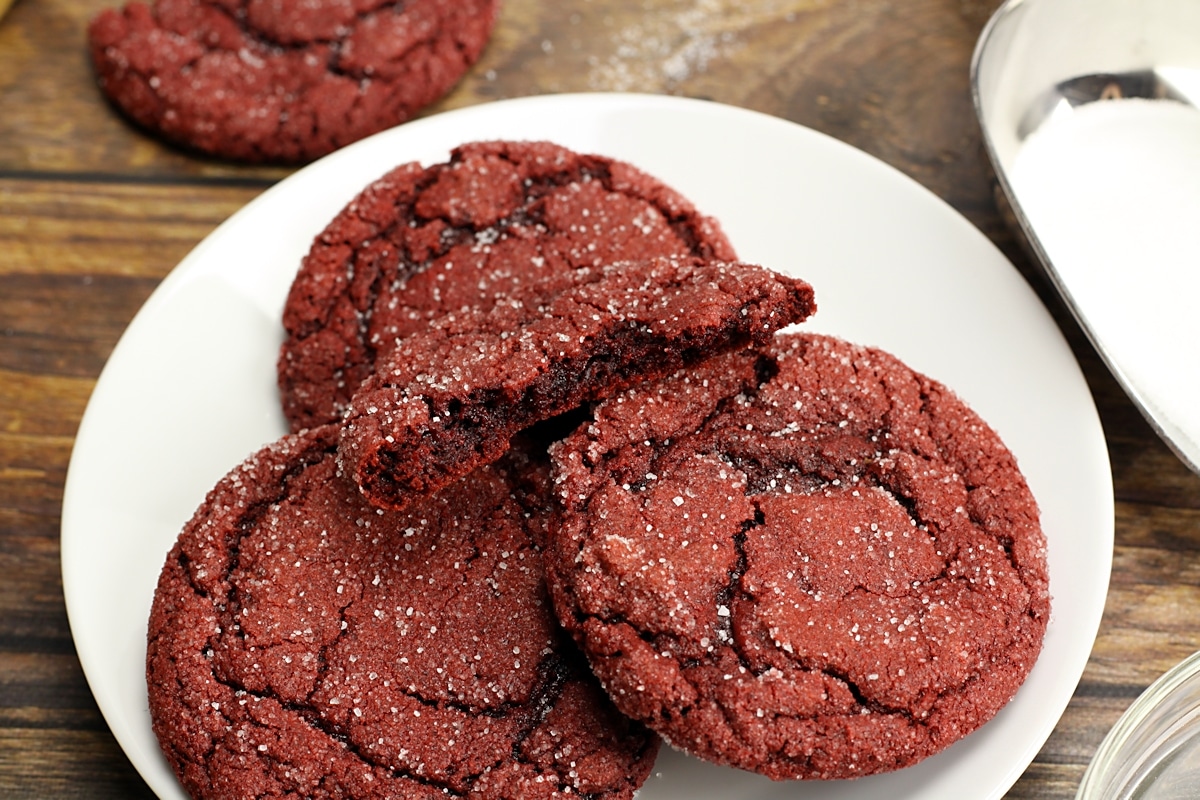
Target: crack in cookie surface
pixel 302 639
pixel 889 597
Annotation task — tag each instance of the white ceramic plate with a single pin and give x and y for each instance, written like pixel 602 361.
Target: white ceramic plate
pixel 190 389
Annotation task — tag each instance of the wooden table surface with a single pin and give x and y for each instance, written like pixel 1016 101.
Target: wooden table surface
pixel 93 214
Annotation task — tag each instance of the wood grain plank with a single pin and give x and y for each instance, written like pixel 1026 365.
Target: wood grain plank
pixel 31 594
pixel 37 406
pixel 46 690
pixel 34 469
pixel 66 764
pixel 50 227
pixel 64 325
pixel 1047 782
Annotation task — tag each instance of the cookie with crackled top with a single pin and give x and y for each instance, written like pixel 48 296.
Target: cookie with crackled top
pixel 475 231
pixel 304 644
pixel 805 560
pixel 282 80
pixel 450 398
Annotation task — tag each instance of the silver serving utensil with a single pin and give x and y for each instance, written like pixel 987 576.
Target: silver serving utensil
pixel 1039 62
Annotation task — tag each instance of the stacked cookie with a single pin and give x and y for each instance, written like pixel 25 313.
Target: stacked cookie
pixel 557 486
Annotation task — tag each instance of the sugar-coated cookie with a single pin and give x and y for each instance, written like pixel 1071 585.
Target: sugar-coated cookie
pixel 304 644
pixel 479 230
pixel 805 560
pixel 450 398
pixel 282 80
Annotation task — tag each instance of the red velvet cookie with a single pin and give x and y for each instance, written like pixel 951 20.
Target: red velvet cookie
pixel 304 644
pixel 807 560
pixel 474 232
pixel 285 80
pixel 449 399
